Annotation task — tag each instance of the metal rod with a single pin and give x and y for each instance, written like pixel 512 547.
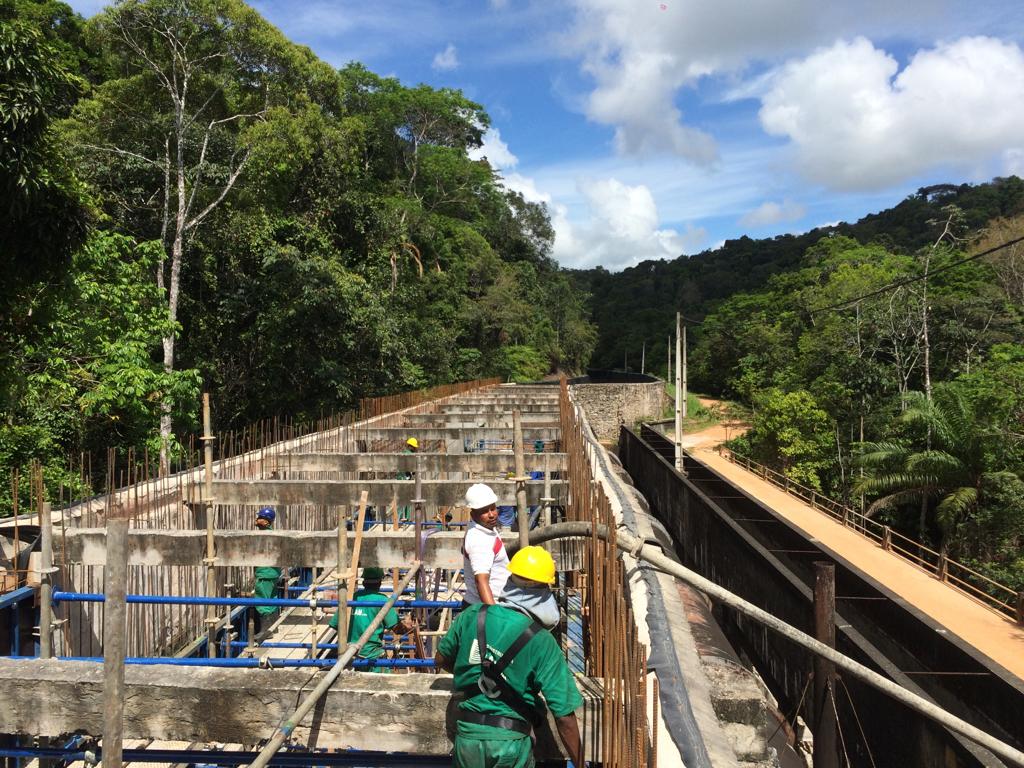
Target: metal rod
pixel 114 631
pixel 522 513
pixel 653 555
pixel 283 602
pixel 285 731
pixel 46 571
pixel 240 662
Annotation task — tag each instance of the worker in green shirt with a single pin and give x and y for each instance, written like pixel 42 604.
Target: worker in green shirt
pixel 265 584
pixel 521 663
pixel 362 617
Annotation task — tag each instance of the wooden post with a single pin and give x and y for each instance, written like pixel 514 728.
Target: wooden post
pixel 342 580
pixel 114 626
pixel 1020 607
pixel 548 499
pixel 643 358
pixel 886 538
pixel 522 512
pixel 210 559
pixel 421 581
pixel 826 753
pixel 351 574
pixel 46 571
pixel 943 566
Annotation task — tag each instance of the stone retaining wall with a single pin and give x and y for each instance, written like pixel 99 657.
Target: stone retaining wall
pixel 610 405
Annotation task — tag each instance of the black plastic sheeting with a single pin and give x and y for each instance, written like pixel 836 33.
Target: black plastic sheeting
pixel 675 703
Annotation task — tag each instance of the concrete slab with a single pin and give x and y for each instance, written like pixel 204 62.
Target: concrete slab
pixel 474 435
pixel 477 463
pixel 365 711
pixel 445 493
pixel 317 549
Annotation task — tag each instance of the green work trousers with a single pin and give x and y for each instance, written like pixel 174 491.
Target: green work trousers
pixel 493 753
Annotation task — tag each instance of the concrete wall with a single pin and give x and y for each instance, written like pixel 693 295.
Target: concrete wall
pixel 610 405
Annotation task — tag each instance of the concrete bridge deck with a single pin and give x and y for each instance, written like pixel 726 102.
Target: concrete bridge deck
pixel 997 637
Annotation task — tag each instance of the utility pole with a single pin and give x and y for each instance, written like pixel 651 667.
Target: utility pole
pixel 679 393
pixel 684 373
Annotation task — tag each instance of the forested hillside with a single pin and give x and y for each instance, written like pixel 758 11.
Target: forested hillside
pixel 192 202
pixel 638 305
pixel 883 362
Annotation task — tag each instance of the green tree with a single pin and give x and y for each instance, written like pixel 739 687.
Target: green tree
pixel 791 433
pixel 943 465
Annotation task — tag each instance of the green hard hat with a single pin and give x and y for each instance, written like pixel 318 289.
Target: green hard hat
pixel 373 573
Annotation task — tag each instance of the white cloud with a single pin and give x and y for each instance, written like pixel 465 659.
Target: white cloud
pixel 773 213
pixel 856 122
pixel 446 60
pixel 641 54
pixel 495 150
pixel 620 228
pixel 1013 162
pixel 645 57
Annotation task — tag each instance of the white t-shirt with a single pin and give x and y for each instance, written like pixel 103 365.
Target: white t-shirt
pixel 483 552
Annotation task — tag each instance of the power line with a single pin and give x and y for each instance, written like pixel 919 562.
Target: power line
pixel 909 280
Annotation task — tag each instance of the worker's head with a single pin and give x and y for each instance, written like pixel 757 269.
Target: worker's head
pixel 532 567
pixel 482 503
pixel 372 578
pixel 265 518
pixel 412 444
pixel 528 589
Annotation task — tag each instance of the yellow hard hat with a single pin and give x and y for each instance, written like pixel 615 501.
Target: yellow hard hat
pixel 533 563
pixel 412 441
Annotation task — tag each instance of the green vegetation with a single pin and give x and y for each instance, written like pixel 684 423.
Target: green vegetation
pixel 910 397
pixel 195 202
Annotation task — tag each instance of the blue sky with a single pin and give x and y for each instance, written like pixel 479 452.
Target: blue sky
pixel 653 129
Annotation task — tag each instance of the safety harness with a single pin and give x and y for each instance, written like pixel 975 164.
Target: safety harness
pixel 493 684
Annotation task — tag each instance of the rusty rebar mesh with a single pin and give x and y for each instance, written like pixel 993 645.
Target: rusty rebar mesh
pixel 612 650
pixel 172 502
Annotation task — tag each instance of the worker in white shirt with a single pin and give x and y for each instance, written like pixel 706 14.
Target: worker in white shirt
pixel 484 560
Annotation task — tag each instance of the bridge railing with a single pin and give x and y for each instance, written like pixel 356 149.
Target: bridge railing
pixel 999 597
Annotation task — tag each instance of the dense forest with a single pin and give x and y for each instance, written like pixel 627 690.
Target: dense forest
pixel 193 202
pixel 882 361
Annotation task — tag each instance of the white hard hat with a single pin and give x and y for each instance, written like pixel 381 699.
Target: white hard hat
pixel 480 496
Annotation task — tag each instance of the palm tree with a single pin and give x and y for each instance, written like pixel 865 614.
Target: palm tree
pixel 947 475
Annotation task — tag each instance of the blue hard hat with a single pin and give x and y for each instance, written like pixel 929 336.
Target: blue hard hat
pixel 267 513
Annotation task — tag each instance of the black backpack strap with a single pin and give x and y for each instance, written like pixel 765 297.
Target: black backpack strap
pixel 492 683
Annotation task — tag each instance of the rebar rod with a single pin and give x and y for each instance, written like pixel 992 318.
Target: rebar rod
pixel 651 554
pixel 285 731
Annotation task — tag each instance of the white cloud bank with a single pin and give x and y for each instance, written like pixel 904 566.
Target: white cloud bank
pixel 856 122
pixel 446 60
pixel 620 228
pixel 773 213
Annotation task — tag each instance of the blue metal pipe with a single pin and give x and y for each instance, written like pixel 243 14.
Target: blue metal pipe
pixel 13 598
pixel 321 646
pixel 285 759
pixel 279 602
pixel 246 663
